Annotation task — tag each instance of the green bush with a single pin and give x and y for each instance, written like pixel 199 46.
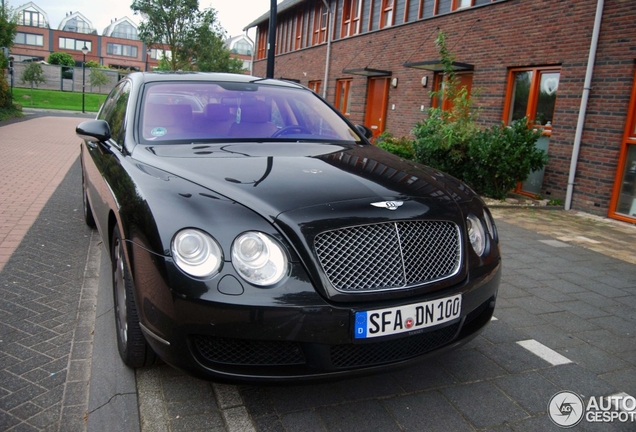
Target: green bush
pixel 61 58
pixel 442 140
pixel 5 94
pixel 401 147
pixel 501 156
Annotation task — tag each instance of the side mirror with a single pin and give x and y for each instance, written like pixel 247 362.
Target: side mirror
pixel 93 130
pixel 364 131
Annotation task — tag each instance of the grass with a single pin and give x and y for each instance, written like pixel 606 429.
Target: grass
pixel 51 99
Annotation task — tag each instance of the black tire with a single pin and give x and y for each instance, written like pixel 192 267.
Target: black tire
pixel 88 212
pixel 133 348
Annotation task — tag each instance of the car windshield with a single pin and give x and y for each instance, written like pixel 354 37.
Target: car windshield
pixel 186 112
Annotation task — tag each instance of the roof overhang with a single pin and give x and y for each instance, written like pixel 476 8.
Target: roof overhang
pixel 368 72
pixel 438 66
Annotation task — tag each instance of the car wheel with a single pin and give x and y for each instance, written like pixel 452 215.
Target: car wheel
pixel 133 348
pixel 88 212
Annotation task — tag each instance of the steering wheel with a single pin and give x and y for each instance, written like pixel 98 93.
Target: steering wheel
pixel 293 129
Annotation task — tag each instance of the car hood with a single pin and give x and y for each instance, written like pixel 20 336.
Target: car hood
pixel 274 178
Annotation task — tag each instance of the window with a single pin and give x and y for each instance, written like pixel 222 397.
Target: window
pixel 320 24
pixel 32 18
pixel 77 25
pixel 298 42
pixel 315 86
pixel 74 44
pixel 351 11
pixel 242 47
pixel 261 50
pixel 125 30
pixel 461 4
pixel 623 204
pixel 28 39
pixel 121 50
pixel 532 93
pixel 114 111
pixel 343 96
pixel 386 19
pixel 158 54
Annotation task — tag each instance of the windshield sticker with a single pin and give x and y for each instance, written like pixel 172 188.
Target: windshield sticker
pixel 158 132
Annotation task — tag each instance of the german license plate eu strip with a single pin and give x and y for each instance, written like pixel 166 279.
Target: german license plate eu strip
pixel 407 318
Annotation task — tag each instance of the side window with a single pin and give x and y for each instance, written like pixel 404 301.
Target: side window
pixel 114 111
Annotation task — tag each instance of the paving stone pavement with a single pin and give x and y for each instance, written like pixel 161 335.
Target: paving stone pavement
pixel 569 286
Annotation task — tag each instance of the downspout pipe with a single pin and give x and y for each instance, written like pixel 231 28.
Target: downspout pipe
pixel 583 108
pixel 332 21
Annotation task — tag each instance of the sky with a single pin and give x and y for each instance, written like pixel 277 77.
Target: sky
pixel 232 14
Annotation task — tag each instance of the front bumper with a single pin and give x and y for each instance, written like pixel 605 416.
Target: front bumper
pixel 241 338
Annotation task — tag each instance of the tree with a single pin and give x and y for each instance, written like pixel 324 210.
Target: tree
pixel 206 47
pixel 34 75
pixel 195 38
pixel 8 29
pixel 97 78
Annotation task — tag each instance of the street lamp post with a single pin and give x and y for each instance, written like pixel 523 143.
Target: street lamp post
pixel 84 51
pixel 148 52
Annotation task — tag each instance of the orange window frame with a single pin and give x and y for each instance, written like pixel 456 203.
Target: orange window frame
pixel 320 24
pixel 457 5
pixel 351 12
pixel 387 17
pixel 262 43
pixel 298 42
pixel 315 86
pixel 532 96
pixel 420 11
pixel 629 139
pixel 343 96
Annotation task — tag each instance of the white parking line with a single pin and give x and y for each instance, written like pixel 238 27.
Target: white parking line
pixel 547 354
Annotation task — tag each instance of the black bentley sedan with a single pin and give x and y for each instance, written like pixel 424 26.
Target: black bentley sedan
pixel 256 234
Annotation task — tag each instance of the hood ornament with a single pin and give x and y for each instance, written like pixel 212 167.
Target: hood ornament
pixel 389 205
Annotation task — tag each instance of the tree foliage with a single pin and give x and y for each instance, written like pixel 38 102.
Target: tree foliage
pixel 34 75
pixel 194 37
pixel 61 58
pixel 8 29
pixel 502 156
pixel 98 78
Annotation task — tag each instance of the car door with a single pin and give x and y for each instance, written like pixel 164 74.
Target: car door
pixel 100 155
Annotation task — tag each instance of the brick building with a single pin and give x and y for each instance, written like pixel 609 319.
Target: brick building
pixel 376 61
pixel 117 47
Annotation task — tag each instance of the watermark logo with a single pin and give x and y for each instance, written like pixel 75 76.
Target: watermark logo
pixel 566 409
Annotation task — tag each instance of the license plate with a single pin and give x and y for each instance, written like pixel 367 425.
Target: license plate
pixel 407 318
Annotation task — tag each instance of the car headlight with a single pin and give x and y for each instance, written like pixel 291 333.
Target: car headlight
pixel 258 258
pixel 476 234
pixel 196 253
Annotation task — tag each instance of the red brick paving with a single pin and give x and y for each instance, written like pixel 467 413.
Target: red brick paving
pixel 35 155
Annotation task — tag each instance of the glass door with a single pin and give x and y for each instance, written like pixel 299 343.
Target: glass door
pixel 532 93
pixel 623 204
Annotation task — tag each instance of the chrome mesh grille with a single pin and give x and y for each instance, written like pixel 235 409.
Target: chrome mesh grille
pixel 389 255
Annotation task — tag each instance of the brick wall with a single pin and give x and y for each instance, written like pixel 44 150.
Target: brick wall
pixel 494 38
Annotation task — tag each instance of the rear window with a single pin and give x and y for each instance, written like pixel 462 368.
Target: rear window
pixel 186 112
